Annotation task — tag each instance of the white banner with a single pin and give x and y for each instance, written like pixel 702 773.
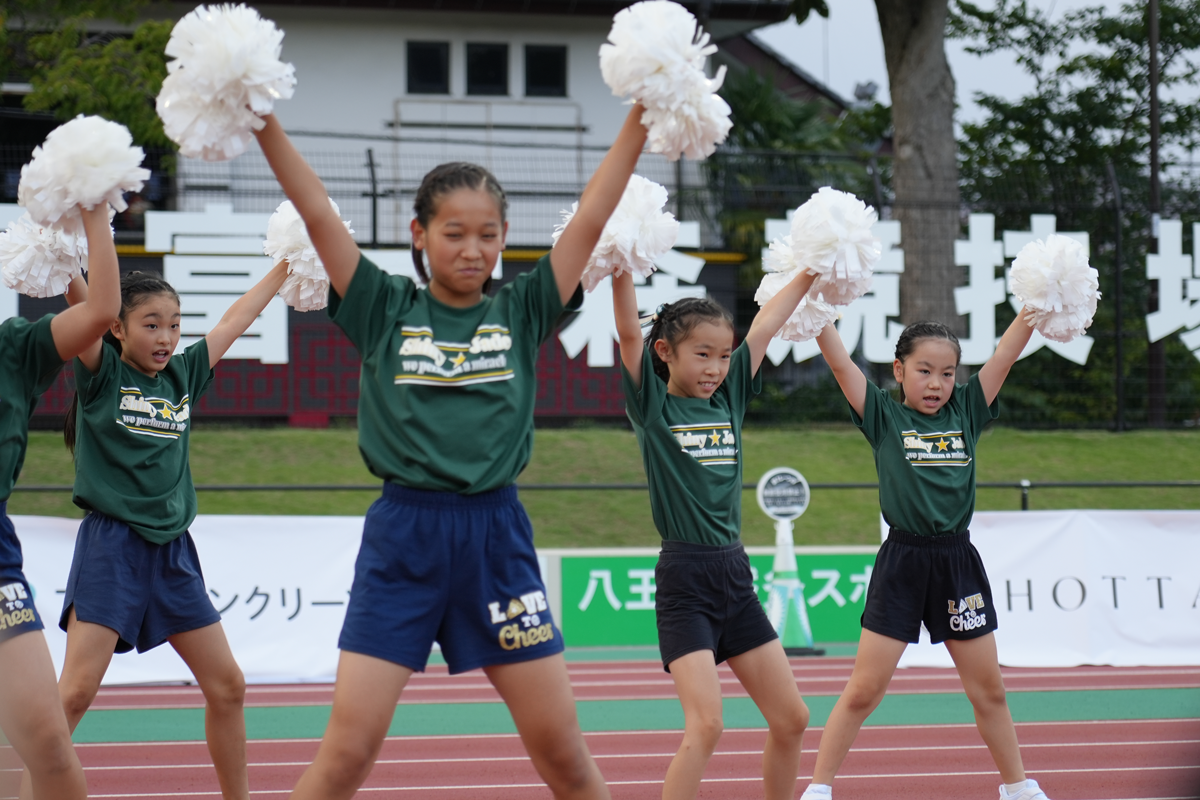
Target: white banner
pixel 1069 588
pixel 281 583
pixel 1088 587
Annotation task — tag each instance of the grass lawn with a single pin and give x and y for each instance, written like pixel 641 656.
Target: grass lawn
pixel 827 454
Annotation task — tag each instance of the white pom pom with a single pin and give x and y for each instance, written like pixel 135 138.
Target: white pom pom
pixel 656 56
pixel 225 76
pixel 832 238
pixel 306 287
pixel 813 313
pixel 40 260
pixel 84 162
pixel 637 234
pixel 1057 287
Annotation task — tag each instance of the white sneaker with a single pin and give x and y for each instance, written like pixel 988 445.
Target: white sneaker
pixel 812 793
pixel 1031 792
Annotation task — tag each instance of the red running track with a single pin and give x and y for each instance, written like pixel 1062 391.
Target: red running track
pixel 1073 761
pixel 1147 760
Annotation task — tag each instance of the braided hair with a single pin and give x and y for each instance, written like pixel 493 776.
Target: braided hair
pixel 674 321
pixel 136 288
pixel 919 331
pixel 441 181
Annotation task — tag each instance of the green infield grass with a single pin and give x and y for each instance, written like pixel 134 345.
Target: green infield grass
pixel 824 454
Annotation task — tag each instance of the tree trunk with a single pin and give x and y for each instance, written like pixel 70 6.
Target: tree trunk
pixel 925 168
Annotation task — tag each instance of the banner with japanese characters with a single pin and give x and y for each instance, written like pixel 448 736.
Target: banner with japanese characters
pixel 609 599
pixel 1084 587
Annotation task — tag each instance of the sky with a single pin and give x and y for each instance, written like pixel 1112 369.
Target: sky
pixel 847 49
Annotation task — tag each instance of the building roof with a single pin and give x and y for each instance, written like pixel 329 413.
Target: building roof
pixel 751 52
pixel 760 11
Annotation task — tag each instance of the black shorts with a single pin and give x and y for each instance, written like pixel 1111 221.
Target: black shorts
pixel 705 600
pixel 18 614
pixel 938 580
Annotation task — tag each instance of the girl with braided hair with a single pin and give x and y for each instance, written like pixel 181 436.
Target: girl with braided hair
pixel 686 391
pixel 927 571
pixel 445 418
pixel 135 579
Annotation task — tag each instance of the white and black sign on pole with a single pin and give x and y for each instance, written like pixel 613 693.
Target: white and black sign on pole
pixel 783 496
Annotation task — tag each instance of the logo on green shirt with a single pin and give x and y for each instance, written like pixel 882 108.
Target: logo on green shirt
pixel 153 416
pixel 710 444
pixel 940 449
pixel 425 361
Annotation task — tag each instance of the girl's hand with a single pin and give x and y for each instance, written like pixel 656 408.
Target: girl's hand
pixel 244 311
pixel 77 330
pixel 771 316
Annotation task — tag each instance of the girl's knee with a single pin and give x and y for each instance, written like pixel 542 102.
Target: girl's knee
pixel 988 695
pixel 345 763
pixel 791 725
pixel 706 729
pixel 77 697
pixel 862 697
pixel 227 689
pixel 50 753
pixel 567 768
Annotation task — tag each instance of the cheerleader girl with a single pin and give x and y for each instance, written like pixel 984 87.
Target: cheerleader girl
pixel 135 578
pixel 686 390
pixel 927 571
pixel 446 419
pixel 31 355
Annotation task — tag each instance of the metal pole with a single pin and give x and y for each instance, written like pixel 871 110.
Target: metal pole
pixel 1025 484
pixel 374 199
pixel 1118 268
pixel 1156 378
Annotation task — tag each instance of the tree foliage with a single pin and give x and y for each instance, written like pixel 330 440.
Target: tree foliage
pixel 76 72
pixel 20 20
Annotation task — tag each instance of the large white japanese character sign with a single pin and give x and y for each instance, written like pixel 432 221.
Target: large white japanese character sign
pixel 1178 286
pixel 868 320
pixel 595 327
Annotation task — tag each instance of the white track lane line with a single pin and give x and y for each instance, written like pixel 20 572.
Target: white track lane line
pixel 752 779
pixel 718 753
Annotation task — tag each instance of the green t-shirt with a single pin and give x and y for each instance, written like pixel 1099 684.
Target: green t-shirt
pixel 926 463
pixel 691 448
pixel 131 441
pixel 29 363
pixel 446 394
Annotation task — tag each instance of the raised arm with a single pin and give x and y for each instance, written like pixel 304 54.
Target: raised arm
pixel 847 373
pixel 338 251
pixel 77 330
pixel 993 373
pixel 771 317
pixel 629 331
pixel 596 205
pixel 243 312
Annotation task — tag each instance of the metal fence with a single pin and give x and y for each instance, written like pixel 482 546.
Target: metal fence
pixel 1125 382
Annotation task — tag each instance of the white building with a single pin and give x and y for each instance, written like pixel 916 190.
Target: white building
pixel 512 84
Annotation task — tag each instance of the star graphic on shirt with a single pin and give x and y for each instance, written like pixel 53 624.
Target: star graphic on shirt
pixel 715 437
pixel 942 445
pixel 165 412
pixel 458 360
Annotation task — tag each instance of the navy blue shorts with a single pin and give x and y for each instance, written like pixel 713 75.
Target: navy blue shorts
pixel 456 569
pixel 145 592
pixel 705 600
pixel 17 612
pixel 938 580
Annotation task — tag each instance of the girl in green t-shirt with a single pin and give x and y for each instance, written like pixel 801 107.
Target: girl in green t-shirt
pixel 686 391
pixel 31 355
pixel 446 401
pixel 135 577
pixel 927 571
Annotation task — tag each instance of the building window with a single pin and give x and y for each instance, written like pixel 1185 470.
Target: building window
pixel 545 70
pixel 487 69
pixel 429 68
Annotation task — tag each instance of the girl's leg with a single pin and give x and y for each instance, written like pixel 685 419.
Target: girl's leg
pixel 364 702
pixel 873 667
pixel 89 650
pixel 767 677
pixel 699 690
pixel 31 716
pixel 979 668
pixel 207 654
pixel 538 695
